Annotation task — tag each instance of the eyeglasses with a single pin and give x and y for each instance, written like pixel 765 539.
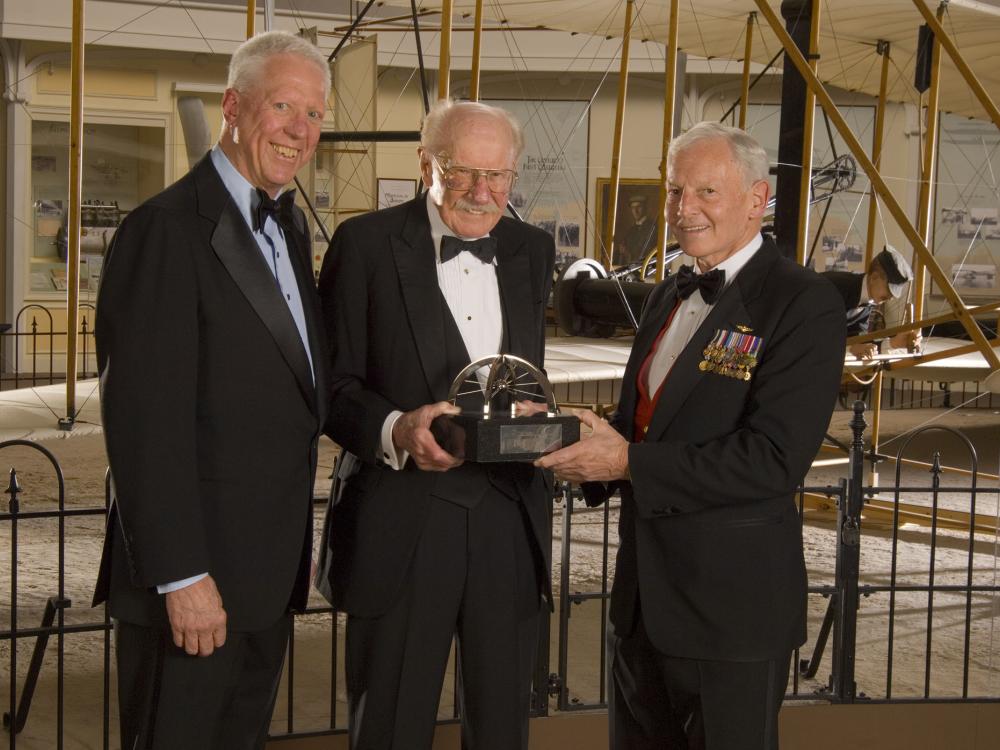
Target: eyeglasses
pixel 457 177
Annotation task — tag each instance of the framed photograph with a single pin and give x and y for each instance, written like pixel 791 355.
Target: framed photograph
pixel 838 254
pixel 967 221
pixel 636 226
pixel 43 163
pixel 551 189
pixel 393 191
pixel 973 277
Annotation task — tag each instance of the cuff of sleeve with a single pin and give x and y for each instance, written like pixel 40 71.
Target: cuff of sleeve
pixel 166 588
pixel 391 456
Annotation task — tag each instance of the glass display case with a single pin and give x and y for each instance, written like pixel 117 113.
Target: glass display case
pixel 123 165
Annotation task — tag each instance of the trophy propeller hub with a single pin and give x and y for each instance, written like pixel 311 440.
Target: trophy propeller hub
pixel 514 378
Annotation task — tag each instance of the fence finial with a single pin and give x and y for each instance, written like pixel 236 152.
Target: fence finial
pixel 858 423
pixel 13 489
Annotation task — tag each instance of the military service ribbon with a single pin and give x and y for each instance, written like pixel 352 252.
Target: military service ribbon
pixel 732 353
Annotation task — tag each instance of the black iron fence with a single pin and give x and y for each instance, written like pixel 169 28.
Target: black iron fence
pixel 903 393
pixel 33 348
pixel 32 353
pixel 904 603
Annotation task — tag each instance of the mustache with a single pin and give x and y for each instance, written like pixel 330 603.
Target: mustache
pixel 465 204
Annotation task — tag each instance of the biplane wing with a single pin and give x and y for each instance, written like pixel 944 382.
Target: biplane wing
pixel 850 30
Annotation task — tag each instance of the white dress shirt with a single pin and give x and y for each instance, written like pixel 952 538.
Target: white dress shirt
pixel 472 293
pixel 691 313
pixel 270 240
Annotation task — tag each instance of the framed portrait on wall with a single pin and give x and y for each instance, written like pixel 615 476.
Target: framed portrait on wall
pixel 393 191
pixel 636 225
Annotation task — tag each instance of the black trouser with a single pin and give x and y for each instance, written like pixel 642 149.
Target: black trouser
pixel 168 700
pixel 472 575
pixel 659 702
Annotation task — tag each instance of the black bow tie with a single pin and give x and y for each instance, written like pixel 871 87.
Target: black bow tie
pixel 484 248
pixel 710 283
pixel 279 209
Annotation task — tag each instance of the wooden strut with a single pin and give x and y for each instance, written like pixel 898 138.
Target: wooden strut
pixel 616 148
pixel 880 512
pixel 892 205
pixel 73 220
pixel 844 459
pixel 927 169
pixel 670 96
pixel 963 67
pixel 863 338
pixel 808 131
pixel 503 28
pixel 477 44
pixel 444 63
pixel 884 50
pixel 747 57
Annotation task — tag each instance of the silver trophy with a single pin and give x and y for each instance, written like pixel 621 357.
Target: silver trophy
pixel 494 432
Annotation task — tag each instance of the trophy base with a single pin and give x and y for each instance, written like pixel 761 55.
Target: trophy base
pixel 505 438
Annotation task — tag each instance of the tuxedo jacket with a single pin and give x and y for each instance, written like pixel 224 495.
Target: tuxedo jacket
pixel 211 412
pixel 394 345
pixel 710 539
pixel 858 311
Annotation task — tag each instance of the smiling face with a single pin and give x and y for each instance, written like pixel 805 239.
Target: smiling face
pixel 481 143
pixel 278 122
pixel 711 210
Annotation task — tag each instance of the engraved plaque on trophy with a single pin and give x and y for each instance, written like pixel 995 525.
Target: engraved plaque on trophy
pixel 494 433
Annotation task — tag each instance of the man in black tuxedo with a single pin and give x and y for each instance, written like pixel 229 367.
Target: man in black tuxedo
pixel 887 277
pixel 212 361
pixel 421 545
pixel 725 399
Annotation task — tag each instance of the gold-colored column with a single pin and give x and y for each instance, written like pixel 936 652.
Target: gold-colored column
pixel 927 170
pixel 251 16
pixel 808 128
pixel 884 50
pixel 745 89
pixel 73 220
pixel 444 59
pixel 669 97
pixel 941 36
pixel 477 41
pixel 891 204
pixel 876 420
pixel 616 148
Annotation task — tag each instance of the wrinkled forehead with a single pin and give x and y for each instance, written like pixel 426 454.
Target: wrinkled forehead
pixel 693 169
pixel 695 166
pixel 481 142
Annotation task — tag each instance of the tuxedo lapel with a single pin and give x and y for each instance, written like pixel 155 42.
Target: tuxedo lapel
pixel 416 260
pixel 237 250
pixel 728 313
pixel 298 243
pixel 514 279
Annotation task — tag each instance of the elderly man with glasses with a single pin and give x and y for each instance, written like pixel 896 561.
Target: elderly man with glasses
pixel 422 546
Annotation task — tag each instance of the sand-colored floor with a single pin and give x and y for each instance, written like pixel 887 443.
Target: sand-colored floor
pixel 81 455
